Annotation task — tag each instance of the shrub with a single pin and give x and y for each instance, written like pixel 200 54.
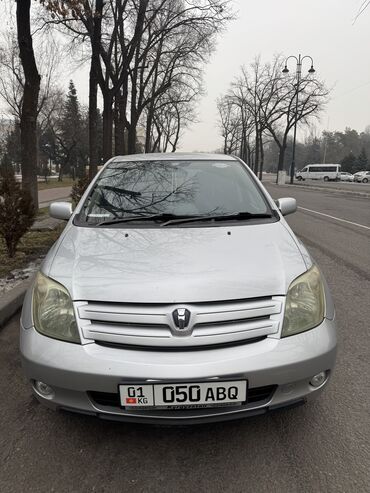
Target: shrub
pixel 17 212
pixel 6 166
pixel 78 189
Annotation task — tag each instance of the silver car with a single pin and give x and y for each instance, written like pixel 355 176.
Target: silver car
pixel 344 176
pixel 177 293
pixel 362 176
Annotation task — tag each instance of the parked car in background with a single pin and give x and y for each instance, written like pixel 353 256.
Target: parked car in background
pixel 324 172
pixel 362 176
pixel 356 176
pixel 177 293
pixel 345 176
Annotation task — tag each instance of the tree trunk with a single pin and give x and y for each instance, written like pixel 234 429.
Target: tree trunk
pixel 178 129
pixel 257 152
pixel 149 128
pixel 281 161
pixel 60 174
pixel 28 122
pixel 119 126
pixel 93 122
pixel 93 89
pixel 131 138
pixel 107 127
pixel 262 159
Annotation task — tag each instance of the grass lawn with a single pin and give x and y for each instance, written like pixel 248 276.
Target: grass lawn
pixel 54 183
pixel 32 245
pixel 43 212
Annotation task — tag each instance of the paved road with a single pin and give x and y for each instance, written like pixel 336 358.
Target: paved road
pixel 50 194
pixel 341 185
pixel 346 243
pixel 321 447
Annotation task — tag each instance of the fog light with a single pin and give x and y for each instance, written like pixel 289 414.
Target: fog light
pixel 318 379
pixel 44 390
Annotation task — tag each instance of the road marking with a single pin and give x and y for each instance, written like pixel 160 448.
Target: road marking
pixel 335 218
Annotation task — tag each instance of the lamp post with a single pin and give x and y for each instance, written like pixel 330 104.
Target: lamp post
pixel 299 61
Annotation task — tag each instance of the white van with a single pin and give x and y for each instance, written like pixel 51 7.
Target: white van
pixel 324 172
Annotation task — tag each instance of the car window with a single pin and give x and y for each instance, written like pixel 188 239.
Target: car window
pixel 180 188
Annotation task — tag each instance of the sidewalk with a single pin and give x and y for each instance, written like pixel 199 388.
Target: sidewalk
pixel 53 194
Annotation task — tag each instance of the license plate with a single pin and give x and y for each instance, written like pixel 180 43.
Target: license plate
pixel 184 395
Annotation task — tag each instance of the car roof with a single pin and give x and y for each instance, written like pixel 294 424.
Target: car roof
pixel 172 156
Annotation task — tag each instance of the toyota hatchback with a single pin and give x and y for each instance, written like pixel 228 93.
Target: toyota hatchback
pixel 177 293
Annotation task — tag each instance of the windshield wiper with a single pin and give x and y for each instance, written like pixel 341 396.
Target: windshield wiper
pixel 239 216
pixel 153 217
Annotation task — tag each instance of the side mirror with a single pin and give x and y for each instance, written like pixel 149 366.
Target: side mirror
pixel 60 210
pixel 287 205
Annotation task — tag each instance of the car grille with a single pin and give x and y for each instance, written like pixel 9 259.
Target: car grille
pixel 181 348
pixel 153 325
pixel 257 395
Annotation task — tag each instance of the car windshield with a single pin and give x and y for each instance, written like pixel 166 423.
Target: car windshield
pixel 145 190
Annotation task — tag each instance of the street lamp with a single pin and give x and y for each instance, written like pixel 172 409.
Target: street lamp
pixel 299 61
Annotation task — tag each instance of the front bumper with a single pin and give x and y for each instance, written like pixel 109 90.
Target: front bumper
pixel 78 373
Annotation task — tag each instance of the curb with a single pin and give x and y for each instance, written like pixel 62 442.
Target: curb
pixel 325 189
pixel 12 301
pixel 44 205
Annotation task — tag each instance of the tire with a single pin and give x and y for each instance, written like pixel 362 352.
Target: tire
pixel 365 180
pixel 299 178
pixel 326 178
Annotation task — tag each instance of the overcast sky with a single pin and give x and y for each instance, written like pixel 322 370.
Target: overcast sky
pixel 323 29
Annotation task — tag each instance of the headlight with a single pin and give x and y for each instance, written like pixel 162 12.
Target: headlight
pixel 53 313
pixel 305 303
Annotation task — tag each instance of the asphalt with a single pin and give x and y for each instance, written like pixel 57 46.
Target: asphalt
pixel 321 447
pixel 54 194
pixel 345 186
pixel 342 185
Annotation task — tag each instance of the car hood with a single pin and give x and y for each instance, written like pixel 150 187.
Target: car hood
pixel 172 265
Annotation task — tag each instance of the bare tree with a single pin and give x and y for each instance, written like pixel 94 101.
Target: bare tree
pixel 11 75
pixel 268 98
pixel 230 124
pixel 135 39
pixel 28 121
pixel 12 78
pixel 312 98
pixel 171 114
pixel 174 38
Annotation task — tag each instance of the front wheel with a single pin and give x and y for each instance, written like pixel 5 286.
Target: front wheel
pixel 326 178
pixel 299 178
